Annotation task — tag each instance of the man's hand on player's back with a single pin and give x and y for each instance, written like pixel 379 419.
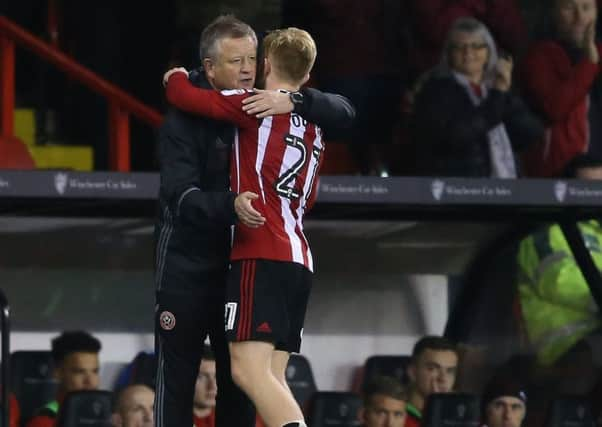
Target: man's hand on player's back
pixel 245 211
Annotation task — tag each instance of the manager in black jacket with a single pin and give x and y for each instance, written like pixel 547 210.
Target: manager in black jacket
pixel 193 228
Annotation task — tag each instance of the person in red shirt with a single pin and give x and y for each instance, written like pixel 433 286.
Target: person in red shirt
pixel 76 366
pixel 560 79
pixel 278 158
pixel 205 391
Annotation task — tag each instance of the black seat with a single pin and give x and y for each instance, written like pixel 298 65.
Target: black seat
pixel 300 378
pixel 386 366
pixel 141 370
pixel 90 408
pixel 31 380
pixel 570 411
pixel 451 409
pixel 329 408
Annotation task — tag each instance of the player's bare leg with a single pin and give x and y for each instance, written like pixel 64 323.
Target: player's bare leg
pixel 279 364
pixel 252 371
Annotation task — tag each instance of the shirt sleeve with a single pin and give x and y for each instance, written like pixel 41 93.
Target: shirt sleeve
pixel 225 106
pixel 333 113
pixel 555 91
pixel 181 174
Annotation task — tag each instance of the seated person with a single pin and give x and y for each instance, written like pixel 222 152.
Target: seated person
pixel 76 366
pixel 504 404
pixel 205 391
pixel 134 407
pixel 384 403
pixel 432 369
pixel 560 80
pixel 466 121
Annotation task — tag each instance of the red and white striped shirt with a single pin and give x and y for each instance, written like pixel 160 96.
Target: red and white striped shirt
pixel 277 157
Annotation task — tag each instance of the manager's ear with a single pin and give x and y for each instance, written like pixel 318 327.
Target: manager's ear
pixel 209 67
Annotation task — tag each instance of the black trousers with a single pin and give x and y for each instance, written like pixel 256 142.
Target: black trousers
pixel 185 314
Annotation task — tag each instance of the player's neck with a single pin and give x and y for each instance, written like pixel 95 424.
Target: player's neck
pixel 274 83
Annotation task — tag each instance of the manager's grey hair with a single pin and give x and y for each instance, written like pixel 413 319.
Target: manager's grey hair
pixel 224 26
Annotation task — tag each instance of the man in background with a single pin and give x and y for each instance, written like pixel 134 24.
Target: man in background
pixel 205 391
pixel 432 369
pixel 76 367
pixel 384 403
pixel 134 407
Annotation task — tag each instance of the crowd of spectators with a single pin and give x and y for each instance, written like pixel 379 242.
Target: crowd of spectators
pixel 461 87
pixel 487 88
pixel 509 395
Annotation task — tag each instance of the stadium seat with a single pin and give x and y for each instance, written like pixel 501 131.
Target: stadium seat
pixel 14 154
pixel 300 379
pixel 141 370
pixel 329 408
pixel 570 411
pixel 376 366
pixel 90 408
pixel 451 409
pixel 31 380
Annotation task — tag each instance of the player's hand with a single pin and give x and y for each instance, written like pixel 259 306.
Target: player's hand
pixel 246 213
pixel 267 103
pixel 168 74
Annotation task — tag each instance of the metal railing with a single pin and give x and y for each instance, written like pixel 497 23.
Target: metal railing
pixel 120 103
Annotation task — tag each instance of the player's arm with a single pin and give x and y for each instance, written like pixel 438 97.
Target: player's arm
pixel 205 102
pixel 333 113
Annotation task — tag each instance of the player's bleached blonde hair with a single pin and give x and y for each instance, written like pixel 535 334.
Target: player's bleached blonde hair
pixel 292 53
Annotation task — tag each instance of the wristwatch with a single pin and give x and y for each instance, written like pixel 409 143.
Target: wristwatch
pixel 296 99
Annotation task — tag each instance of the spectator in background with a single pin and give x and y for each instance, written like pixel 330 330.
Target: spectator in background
pixel 361 56
pixel 429 21
pixel 504 403
pixel 466 121
pixel 384 403
pixel 76 367
pixel 205 391
pixel 134 407
pixel 432 369
pixel 560 80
